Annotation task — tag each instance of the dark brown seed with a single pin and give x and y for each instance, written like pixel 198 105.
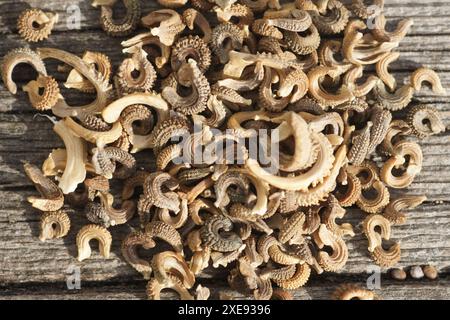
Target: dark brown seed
pixel 398 274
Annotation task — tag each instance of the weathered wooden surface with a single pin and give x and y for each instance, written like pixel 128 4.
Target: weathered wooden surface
pixel 32 269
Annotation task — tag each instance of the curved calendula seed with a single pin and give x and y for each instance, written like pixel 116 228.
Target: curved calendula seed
pixel 395 101
pixel 393 211
pixel 266 98
pixel 334 20
pixel 238 61
pixel 93 122
pixel 240 12
pixel 263 28
pixel 117 216
pixel 353 292
pixel 375 239
pixel 201 205
pixel 89 232
pixel 397 129
pixel 363 11
pixel 292 227
pixel 302 44
pixel 317 91
pixel 193 18
pixel 50 92
pixel 351 193
pixel 75 169
pixel 191 47
pixel 351 81
pixel 137 119
pixel 223 259
pixel 338 259
pixel 231 178
pixel 312 222
pixel 54 225
pixel 56 163
pixel 279 254
pixel 154 191
pixel 296 83
pixel 425 120
pixel 300 131
pixel 96 213
pixel 299 279
pixel 335 211
pixel 35 25
pixel 126 25
pixel 16 57
pixel 113 111
pixel 130 253
pixel 382 69
pixel 412 167
pixel 225 241
pixel 100 62
pixel 387 258
pixel 179 219
pixel 282 273
pixel 100 138
pixel 359 50
pixel 380 119
pixel 172 3
pixel 328 53
pixel 125 80
pixel 168 154
pixel 201 91
pixel 164 231
pixel 200 260
pixel 313 195
pixel 360 145
pixel 101 85
pixel 104 162
pixel 52 198
pixel 379 31
pixel 169 265
pixel 367 173
pixel 131 183
pixel 154 288
pixel 422 75
pixel 375 203
pixel 223 32
pixel 160 58
pixel 299 21
pixel 169 23
pixel 314 176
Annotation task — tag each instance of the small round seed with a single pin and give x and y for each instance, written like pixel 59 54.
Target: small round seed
pixel 416 272
pixel 430 272
pixel 398 274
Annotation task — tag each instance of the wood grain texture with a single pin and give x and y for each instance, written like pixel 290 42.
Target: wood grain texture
pixel 30 269
pixel 317 289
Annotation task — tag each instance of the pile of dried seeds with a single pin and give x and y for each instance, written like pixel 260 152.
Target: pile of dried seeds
pixel 310 74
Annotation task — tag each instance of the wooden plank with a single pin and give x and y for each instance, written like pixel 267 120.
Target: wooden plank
pixel 431 17
pixel 31 269
pixel 314 290
pixel 23 258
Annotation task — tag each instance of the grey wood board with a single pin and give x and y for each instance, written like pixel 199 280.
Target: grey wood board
pixel 29 268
